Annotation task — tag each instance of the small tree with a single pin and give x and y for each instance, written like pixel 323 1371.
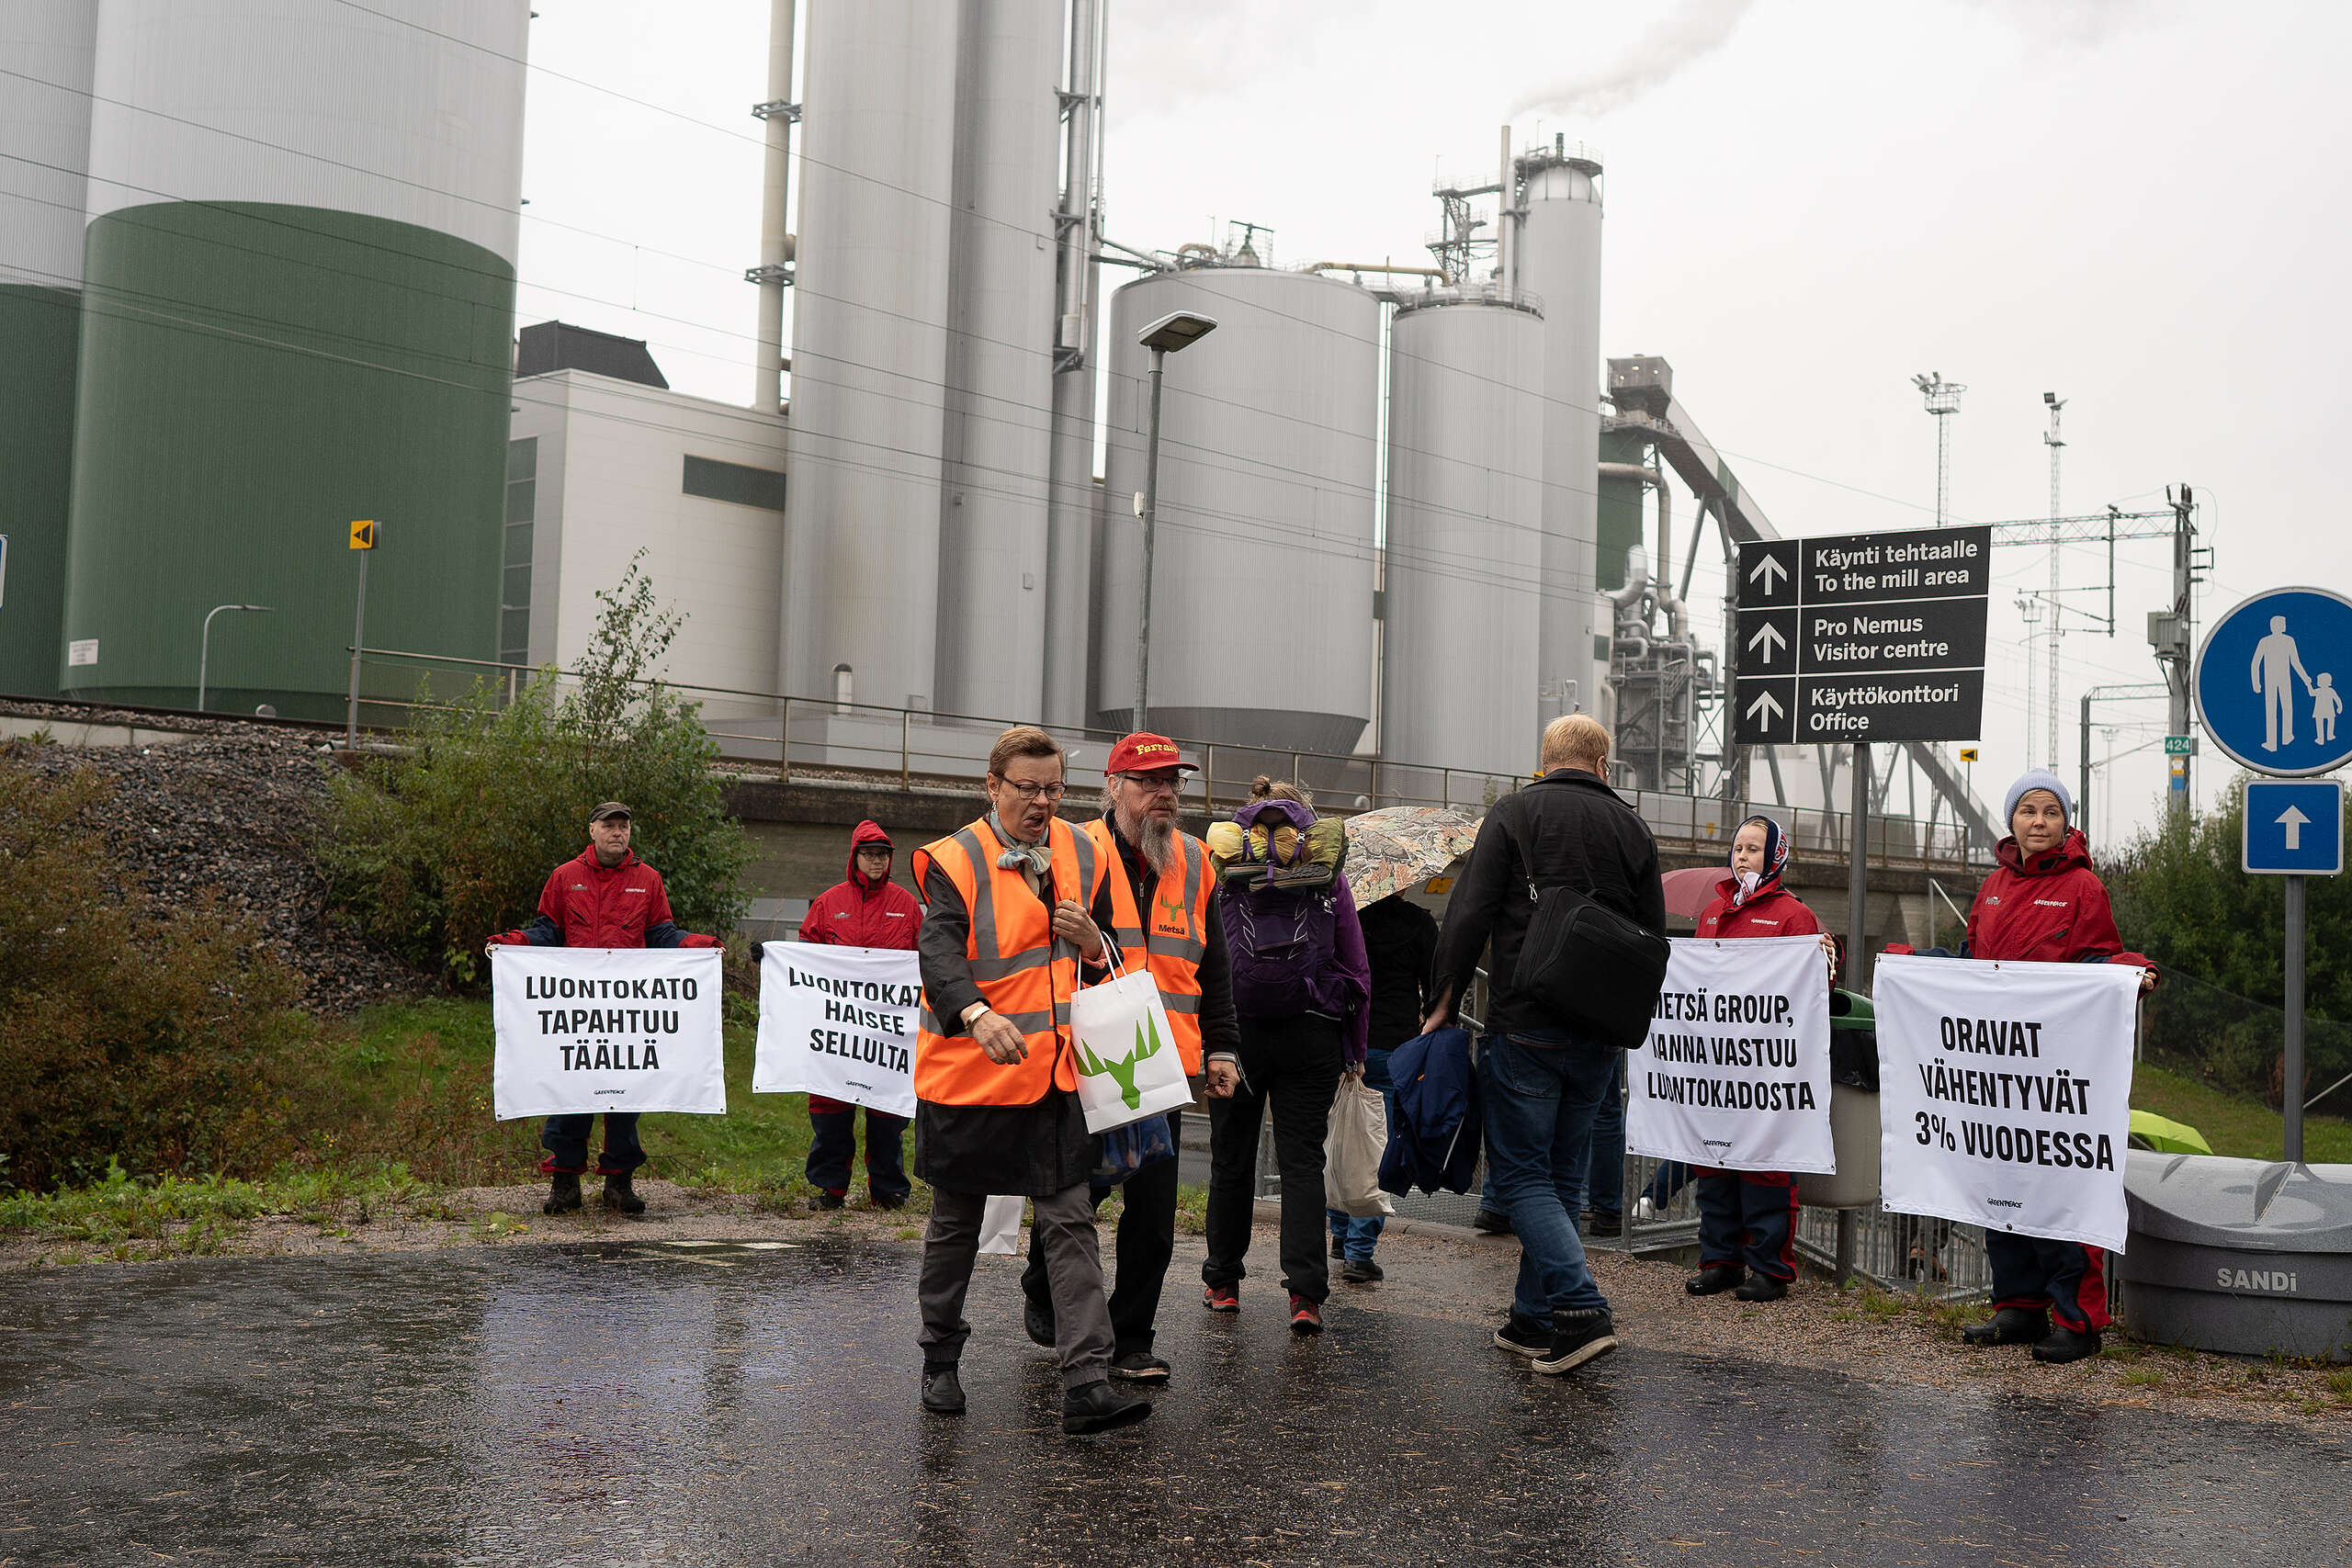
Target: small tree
pixel 439 849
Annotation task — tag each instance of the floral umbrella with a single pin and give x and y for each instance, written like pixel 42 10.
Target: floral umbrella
pixel 1399 847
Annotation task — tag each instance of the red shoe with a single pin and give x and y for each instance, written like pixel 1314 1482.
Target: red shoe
pixel 1221 1298
pixel 1305 1316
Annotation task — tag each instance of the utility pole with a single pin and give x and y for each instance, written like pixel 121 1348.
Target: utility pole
pixel 2168 633
pixel 2056 443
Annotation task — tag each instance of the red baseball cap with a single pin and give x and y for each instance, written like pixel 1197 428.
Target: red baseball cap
pixel 1143 753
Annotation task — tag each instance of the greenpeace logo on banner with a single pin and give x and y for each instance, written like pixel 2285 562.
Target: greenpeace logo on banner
pixel 839 1022
pixel 2006 1093
pixel 604 1049
pixel 1735 1071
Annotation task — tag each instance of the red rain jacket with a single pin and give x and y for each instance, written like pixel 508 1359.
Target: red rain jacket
pixel 2051 910
pixel 859 913
pixel 588 905
pixel 1773 911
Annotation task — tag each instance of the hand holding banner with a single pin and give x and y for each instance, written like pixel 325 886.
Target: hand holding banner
pixel 2006 1093
pixel 1735 1071
pixel 839 1022
pixel 589 1029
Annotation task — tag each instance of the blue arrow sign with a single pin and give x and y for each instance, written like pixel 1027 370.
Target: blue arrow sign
pixel 2269 680
pixel 2294 828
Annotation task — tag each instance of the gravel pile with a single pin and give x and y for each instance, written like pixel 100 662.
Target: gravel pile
pixel 229 807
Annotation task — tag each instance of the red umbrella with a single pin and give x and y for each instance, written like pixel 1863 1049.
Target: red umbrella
pixel 1691 890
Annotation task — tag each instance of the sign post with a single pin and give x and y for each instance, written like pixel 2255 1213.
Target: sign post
pixel 2246 679
pixel 363 540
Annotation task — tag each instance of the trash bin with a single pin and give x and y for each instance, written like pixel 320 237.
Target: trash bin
pixel 1853 1108
pixel 2240 1256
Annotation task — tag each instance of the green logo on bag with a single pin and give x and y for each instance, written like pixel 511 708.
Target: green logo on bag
pixel 1123 1071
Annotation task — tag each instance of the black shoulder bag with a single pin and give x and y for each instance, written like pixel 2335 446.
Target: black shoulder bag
pixel 1597 971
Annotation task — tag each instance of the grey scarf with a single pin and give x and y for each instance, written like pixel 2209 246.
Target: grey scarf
pixel 1035 859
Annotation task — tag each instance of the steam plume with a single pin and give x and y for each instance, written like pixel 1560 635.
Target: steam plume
pixel 1695 28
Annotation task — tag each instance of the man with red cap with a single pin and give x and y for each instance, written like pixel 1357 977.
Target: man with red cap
pixel 1163 919
pixel 867 909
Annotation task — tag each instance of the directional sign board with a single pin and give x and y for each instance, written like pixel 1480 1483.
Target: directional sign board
pixel 1862 636
pixel 2294 828
pixel 2268 679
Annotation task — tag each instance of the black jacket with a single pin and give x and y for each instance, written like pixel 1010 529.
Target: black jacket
pixel 1568 826
pixel 1400 943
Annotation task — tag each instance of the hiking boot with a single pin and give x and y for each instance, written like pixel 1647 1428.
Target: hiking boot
pixel 831 1199
pixel 1607 1221
pixel 1524 1336
pixel 1361 1271
pixel 2010 1325
pixel 943 1391
pixel 1305 1316
pixel 1038 1322
pixel 620 1195
pixel 1339 1249
pixel 1715 1279
pixel 1099 1407
pixel 1576 1337
pixel 1494 1222
pixel 1221 1298
pixel 563 1193
pixel 1140 1365
pixel 890 1199
pixel 2065 1344
pixel 1762 1287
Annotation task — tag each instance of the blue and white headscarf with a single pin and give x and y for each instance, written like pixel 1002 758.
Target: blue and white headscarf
pixel 1776 856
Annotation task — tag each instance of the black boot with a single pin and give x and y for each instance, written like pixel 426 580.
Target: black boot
pixel 2010 1325
pixel 2065 1345
pixel 1762 1287
pixel 619 1195
pixel 1037 1322
pixel 1712 1281
pixel 1494 1222
pixel 1098 1407
pixel 563 1193
pixel 943 1391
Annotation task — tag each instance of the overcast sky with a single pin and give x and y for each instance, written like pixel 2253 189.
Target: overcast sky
pixel 2138 206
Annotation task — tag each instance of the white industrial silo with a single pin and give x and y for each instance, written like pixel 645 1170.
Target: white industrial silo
pixel 1001 270
pixel 47 46
pixel 1556 257
pixel 1466 512
pixel 869 349
pixel 1262 583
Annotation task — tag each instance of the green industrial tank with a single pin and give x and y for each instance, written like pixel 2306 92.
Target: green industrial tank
pixel 298 313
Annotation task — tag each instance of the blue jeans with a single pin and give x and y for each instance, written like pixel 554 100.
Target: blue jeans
pixel 1541 1102
pixel 1358 1233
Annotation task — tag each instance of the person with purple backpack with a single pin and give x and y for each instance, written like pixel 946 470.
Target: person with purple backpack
pixel 1301 982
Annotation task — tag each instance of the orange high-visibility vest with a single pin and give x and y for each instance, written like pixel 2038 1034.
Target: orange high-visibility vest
pixel 1171 939
pixel 1023 972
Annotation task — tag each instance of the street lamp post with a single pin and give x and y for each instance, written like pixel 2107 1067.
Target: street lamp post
pixel 1163 337
pixel 204 645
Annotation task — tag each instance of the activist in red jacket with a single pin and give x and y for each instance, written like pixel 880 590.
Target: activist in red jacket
pixel 866 910
pixel 2045 905
pixel 606 898
pixel 1748 1219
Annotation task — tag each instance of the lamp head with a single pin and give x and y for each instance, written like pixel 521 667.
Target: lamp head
pixel 1178 330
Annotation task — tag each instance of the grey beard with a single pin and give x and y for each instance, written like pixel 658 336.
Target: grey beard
pixel 1155 836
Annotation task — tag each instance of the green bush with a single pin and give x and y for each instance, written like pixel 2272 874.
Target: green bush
pixel 432 850
pixel 135 1033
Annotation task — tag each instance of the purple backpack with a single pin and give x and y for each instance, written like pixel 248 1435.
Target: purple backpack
pixel 1280 938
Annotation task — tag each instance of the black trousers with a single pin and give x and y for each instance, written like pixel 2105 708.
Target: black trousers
pixel 565 1138
pixel 1748 1218
pixel 833 1143
pixel 1292 1064
pixel 1147 1241
pixel 2067 1276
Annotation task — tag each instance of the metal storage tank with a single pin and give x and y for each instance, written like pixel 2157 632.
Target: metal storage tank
pixel 1466 511
pixel 991 652
pixel 44 159
pixel 1262 577
pixel 300 310
pixel 869 350
pixel 1556 257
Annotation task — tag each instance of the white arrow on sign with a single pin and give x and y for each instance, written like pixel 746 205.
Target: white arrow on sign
pixel 1765 568
pixel 2293 821
pixel 1767 637
pixel 1769 705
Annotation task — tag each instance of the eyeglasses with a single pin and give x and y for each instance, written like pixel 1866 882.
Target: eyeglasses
pixel 1034 791
pixel 1155 784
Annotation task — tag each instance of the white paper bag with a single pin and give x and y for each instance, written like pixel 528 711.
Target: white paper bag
pixel 1000 1226
pixel 1357 1137
pixel 1129 1066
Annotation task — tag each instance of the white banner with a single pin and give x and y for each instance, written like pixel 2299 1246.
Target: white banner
pixel 839 1022
pixel 2004 1093
pixel 606 1029
pixel 1735 1071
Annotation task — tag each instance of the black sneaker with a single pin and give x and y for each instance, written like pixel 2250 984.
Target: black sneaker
pixel 1039 1323
pixel 2065 1345
pixel 1607 1221
pixel 943 1391
pixel 1524 1336
pixel 1576 1337
pixel 890 1199
pixel 1716 1279
pixel 2010 1325
pixel 1140 1365
pixel 620 1195
pixel 831 1199
pixel 563 1193
pixel 1361 1271
pixel 1494 1222
pixel 1762 1287
pixel 1099 1407
pixel 1339 1249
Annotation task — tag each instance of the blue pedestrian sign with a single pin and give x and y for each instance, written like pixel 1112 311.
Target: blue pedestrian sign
pixel 2269 681
pixel 2294 828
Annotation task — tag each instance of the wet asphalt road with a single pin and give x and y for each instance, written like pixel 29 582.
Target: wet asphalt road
pixel 733 1403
